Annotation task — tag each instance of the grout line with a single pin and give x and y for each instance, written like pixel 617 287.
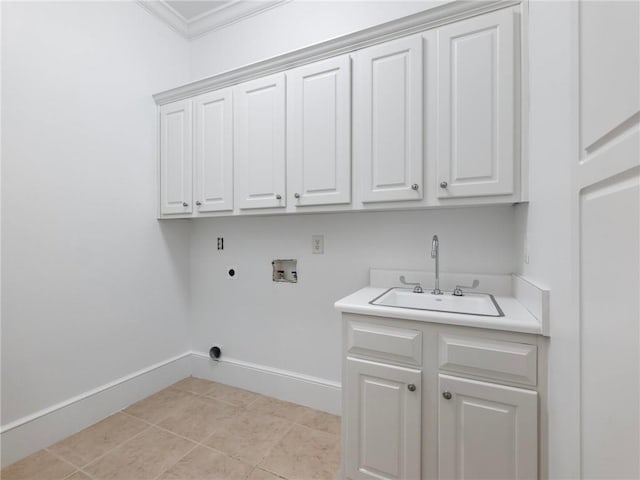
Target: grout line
pixel 176 462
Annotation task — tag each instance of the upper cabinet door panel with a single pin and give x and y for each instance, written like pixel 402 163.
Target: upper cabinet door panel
pixel 214 152
pixel 319 132
pixel 388 120
pixel 175 158
pixel 260 142
pixel 476 115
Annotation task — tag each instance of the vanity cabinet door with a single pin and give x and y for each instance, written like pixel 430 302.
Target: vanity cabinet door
pixel 383 421
pixel 486 430
pixel 259 130
pixel 213 153
pixel 319 132
pixel 176 181
pixel 388 123
pixel 476 106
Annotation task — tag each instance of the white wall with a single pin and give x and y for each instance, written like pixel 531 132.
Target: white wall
pixel 294 326
pixel 292 26
pixel 94 288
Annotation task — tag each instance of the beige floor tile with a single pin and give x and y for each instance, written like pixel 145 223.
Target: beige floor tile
pixel 259 474
pixel 321 421
pixel 279 408
pixel 248 436
pixel 203 463
pixel 41 465
pixel 235 396
pixel 78 476
pixel 198 418
pixel 195 385
pixel 159 405
pixel 305 454
pixel 142 458
pixel 96 440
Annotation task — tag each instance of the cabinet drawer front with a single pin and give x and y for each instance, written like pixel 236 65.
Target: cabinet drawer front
pixel 388 343
pixel 495 359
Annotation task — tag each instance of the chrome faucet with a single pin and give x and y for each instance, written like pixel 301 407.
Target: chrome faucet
pixel 435 253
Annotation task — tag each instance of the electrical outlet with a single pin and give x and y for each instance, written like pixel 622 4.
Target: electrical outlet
pixel 317 244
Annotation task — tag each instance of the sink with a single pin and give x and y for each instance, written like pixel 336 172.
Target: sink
pixel 467 304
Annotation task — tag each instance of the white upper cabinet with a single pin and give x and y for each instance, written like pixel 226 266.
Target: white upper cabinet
pixel 319 133
pixel 387 124
pixel 175 158
pixel 486 430
pixel 213 151
pixel 476 99
pixel 260 142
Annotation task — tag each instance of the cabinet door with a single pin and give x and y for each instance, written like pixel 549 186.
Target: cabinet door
pixel 486 431
pixel 319 132
pixel 260 142
pixel 213 152
pixel 388 120
pixel 382 421
pixel 175 158
pixel 476 147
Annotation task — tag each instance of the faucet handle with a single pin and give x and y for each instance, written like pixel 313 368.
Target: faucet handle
pixel 458 290
pixel 417 287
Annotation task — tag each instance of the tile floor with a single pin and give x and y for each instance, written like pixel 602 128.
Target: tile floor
pixel 195 430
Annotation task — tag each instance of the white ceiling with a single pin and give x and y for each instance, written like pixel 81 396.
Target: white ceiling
pixel 192 18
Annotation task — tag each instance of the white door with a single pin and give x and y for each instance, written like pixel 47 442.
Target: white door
pixel 213 151
pixel 387 122
pixel 175 158
pixel 319 132
pixel 486 431
pixel 606 192
pixel 382 421
pixel 260 142
pixel 476 106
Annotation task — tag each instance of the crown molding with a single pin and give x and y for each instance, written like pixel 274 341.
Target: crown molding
pixel 416 23
pixel 210 21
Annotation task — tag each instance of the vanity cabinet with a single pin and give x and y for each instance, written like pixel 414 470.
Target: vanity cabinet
pixel 259 121
pixel 486 430
pixel 476 95
pixel 387 126
pixel 432 401
pixel 319 133
pixel 176 130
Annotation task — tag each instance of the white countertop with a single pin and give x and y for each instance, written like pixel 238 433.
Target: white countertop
pixel 516 317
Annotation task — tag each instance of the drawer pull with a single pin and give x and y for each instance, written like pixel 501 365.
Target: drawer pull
pixel 447 395
pixel 411 387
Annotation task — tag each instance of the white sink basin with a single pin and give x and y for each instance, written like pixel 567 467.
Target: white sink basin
pixel 468 304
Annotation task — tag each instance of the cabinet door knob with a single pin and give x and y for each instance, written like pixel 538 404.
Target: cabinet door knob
pixel 411 387
pixel 278 197
pixel 198 203
pixel 447 395
pixel 185 204
pixel 444 184
pixel 415 186
pixel 297 195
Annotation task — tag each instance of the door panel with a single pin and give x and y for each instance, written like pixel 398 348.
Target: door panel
pixel 476 114
pixel 175 158
pixel 383 421
pixel 319 132
pixel 214 151
pixel 260 142
pixel 388 120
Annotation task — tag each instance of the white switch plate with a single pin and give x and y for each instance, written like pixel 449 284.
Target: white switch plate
pixel 317 244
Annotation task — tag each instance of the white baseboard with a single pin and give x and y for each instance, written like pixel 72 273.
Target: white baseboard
pixel 29 434
pixel 313 392
pixel 39 430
